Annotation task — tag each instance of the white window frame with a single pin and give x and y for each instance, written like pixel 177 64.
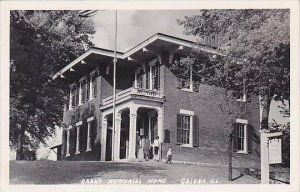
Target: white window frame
pixel 190 114
pixel 89 144
pixel 138 70
pixel 91 85
pixel 80 89
pixel 151 65
pixel 68 141
pixel 78 125
pixel 243 99
pixel 70 95
pixel 245 123
pixel 191 89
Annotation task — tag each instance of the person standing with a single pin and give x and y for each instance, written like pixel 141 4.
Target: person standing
pixel 169 156
pixel 146 148
pixel 156 145
pixel 137 145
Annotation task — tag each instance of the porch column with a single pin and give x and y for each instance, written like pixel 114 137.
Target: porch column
pixel 132 134
pixel 103 142
pixel 160 125
pixel 117 138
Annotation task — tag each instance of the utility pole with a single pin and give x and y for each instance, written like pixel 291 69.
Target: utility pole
pixel 114 88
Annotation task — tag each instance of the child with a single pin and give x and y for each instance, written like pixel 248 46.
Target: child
pixel 169 156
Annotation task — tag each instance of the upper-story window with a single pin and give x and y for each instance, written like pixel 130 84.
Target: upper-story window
pixel 154 76
pixel 83 91
pixel 187 84
pixel 139 79
pixel 241 94
pixel 74 96
pixel 148 77
pixel 93 86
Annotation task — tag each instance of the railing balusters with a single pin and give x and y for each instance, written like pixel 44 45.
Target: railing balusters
pixel 133 91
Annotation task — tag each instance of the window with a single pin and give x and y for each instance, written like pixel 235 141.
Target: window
pixel 154 76
pixel 152 124
pixel 148 77
pixel 93 85
pixel 68 141
pixel 187 82
pixel 240 94
pixel 139 79
pixel 89 134
pixel 240 136
pixel 187 129
pixel 78 125
pixel 83 91
pixel 74 96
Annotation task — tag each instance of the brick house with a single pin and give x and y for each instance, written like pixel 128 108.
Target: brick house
pixel 150 101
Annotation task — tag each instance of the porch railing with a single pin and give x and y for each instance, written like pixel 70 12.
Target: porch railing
pixel 133 91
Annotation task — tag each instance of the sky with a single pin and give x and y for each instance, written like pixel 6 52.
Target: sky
pixel 136 26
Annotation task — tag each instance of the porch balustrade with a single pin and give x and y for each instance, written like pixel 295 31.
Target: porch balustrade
pixel 133 92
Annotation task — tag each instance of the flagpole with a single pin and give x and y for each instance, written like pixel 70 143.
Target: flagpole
pixel 114 89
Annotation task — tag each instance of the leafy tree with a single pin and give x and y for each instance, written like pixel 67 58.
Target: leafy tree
pixel 258 40
pixel 41 43
pixel 255 48
pixel 222 92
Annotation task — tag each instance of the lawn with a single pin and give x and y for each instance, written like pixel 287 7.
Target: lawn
pixel 74 172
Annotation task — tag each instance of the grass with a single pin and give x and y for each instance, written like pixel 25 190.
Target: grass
pixel 72 172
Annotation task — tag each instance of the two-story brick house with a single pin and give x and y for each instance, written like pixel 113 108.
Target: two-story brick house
pixel 149 102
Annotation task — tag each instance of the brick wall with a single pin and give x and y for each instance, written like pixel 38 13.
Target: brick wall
pixel 212 142
pixel 92 108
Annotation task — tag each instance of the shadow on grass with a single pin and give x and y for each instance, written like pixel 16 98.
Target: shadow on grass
pixel 60 172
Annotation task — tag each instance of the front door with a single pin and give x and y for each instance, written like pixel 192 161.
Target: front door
pixel 108 155
pixel 124 143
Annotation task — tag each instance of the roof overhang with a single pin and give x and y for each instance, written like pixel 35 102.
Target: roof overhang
pixel 147 48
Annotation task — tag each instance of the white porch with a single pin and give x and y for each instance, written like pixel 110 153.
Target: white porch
pixel 121 142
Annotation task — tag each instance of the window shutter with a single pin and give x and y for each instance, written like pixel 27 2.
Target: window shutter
pixel 77 97
pixel 83 137
pixel 195 131
pixel 179 129
pixel 72 145
pixel 65 137
pixel 93 132
pixel 249 138
pixel 179 83
pixel 195 87
pixel 235 139
pixel 157 79
pixel 87 90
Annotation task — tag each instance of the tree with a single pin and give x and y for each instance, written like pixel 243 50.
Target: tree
pixel 223 90
pixel 254 45
pixel 41 43
pixel 256 39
